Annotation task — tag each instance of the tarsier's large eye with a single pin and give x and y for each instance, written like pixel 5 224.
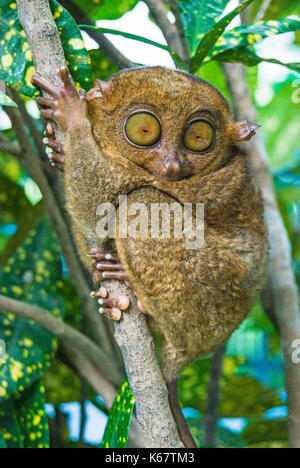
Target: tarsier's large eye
pixel 143 129
pixel 199 136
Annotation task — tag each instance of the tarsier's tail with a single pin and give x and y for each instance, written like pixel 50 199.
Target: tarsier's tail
pixel 182 426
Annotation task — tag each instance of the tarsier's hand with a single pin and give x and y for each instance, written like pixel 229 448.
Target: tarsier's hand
pixel 66 106
pixel 105 267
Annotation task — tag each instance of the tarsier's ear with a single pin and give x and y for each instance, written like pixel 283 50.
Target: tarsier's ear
pixel 102 90
pixel 242 131
pixel 104 86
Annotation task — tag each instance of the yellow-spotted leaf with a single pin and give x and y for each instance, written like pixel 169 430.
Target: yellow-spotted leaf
pixel 6 101
pixel 23 422
pixel 198 17
pixel 77 57
pixel 211 37
pixel 248 35
pixel 249 58
pixel 117 427
pixel 16 65
pixel 32 275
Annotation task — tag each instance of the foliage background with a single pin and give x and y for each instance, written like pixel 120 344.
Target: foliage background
pixel 252 411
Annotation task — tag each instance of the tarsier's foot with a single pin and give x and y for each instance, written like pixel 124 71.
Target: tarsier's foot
pixel 57 157
pixel 106 266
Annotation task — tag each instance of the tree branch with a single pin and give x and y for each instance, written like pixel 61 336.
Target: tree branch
pixel 37 137
pixel 169 30
pixel 132 332
pixel 213 392
pixel 146 380
pixel 9 147
pixel 282 280
pixel 63 331
pixel 42 34
pixel 176 12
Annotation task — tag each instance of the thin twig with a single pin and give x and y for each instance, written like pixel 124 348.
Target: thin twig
pixel 36 135
pixel 10 148
pixel 169 30
pixel 262 10
pixel 185 47
pixel 63 331
pixel 213 392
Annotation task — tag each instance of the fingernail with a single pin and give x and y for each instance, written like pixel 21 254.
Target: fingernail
pixel 45 141
pixel 100 301
pixel 101 310
pixel 103 292
pixel 107 256
pixel 116 314
pixel 123 302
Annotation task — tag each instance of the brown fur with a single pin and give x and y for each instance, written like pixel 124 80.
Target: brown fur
pixel 195 298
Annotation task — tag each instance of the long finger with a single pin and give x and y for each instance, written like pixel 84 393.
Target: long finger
pixel 47 113
pixel 102 292
pixel 47 102
pixel 113 313
pixel 66 79
pixel 121 275
pixel 109 266
pixel 57 158
pixel 97 255
pixel 42 83
pixel 54 144
pixel 121 302
pixel 49 129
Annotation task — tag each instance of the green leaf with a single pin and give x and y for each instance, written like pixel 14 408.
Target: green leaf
pixel 6 101
pixel 213 73
pixel 281 8
pixel 213 35
pixel 23 422
pixel 262 431
pixel 250 34
pixel 105 9
pixel 135 38
pixel 16 65
pixel 249 58
pixel 13 202
pixel 198 17
pixel 117 428
pixel 77 57
pixel 33 275
pixel 2 442
pixel 281 124
pixel 102 66
pixel 276 9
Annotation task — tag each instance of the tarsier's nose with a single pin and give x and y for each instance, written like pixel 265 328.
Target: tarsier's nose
pixel 172 168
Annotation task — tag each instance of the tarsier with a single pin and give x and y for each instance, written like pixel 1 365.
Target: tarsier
pixel 164 136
